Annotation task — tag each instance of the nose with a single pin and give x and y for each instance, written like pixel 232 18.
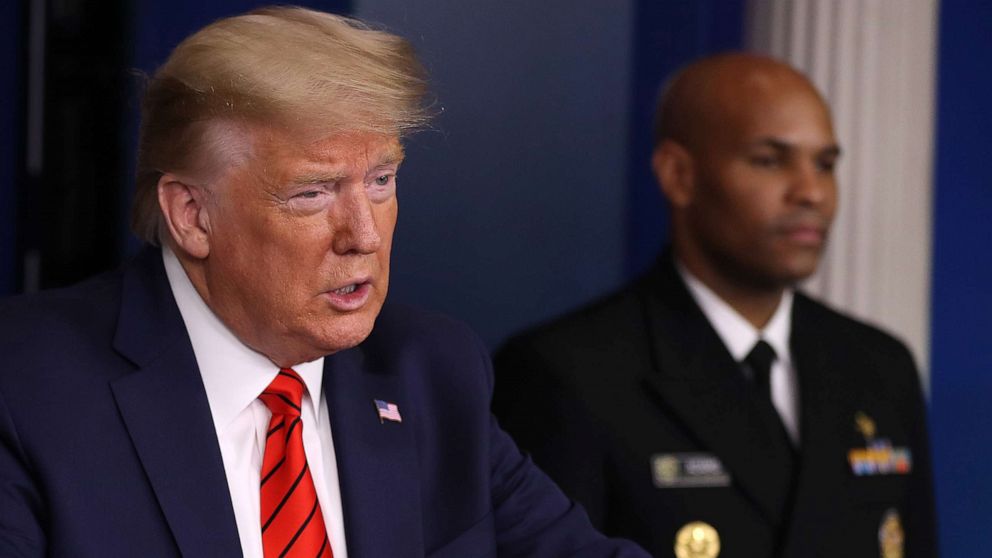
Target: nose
pixel 354 223
pixel 811 185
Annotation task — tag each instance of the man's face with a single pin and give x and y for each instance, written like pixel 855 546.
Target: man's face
pixel 299 238
pixel 765 192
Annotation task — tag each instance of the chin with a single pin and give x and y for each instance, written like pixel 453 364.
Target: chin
pixel 344 336
pixel 794 265
pixel 797 273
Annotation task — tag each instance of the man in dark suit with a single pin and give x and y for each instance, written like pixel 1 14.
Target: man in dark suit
pixel 227 393
pixel 708 408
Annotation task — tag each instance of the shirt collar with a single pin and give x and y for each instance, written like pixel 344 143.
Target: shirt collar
pixel 233 374
pixel 737 334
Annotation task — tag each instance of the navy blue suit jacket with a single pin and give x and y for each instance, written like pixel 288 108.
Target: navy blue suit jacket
pixel 107 447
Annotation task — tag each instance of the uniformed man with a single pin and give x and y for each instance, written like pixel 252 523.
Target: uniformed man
pixel 709 408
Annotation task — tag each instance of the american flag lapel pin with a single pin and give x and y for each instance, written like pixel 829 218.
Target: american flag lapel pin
pixel 387 411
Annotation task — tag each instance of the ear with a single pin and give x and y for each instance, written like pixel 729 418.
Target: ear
pixel 674 169
pixel 185 214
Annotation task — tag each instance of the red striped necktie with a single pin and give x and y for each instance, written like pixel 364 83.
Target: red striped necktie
pixel 292 524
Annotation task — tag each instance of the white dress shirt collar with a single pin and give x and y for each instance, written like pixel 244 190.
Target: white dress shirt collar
pixel 737 334
pixel 233 374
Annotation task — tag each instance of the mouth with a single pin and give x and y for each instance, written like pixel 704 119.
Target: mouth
pixel 809 236
pixel 350 297
pixel 346 290
pixel 805 229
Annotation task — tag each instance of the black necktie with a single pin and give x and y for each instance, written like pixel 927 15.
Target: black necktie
pixel 779 445
pixel 760 360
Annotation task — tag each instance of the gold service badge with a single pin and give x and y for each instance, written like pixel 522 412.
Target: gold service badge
pixel 890 535
pixel 697 540
pixel 865 425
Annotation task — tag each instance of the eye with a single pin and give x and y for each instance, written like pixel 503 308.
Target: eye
pixel 383 180
pixel 826 165
pixel 764 160
pixel 309 200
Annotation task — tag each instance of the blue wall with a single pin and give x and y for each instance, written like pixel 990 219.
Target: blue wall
pixel 535 194
pixel 666 37
pixel 160 25
pixel 514 209
pixel 961 363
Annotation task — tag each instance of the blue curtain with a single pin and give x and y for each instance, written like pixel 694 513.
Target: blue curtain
pixel 667 36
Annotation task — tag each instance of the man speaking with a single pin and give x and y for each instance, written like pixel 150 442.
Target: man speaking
pixel 242 390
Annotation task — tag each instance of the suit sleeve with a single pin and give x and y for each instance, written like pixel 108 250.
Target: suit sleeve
pixel 533 517
pixel 21 534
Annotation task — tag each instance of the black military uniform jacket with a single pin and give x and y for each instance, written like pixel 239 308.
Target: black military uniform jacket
pixel 634 406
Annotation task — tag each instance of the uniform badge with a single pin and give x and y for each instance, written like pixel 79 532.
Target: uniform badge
pixel 890 535
pixel 865 425
pixel 697 540
pixel 688 470
pixel 879 456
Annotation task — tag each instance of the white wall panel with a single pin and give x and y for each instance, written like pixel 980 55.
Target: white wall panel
pixel 874 62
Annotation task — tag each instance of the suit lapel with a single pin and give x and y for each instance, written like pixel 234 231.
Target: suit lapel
pixel 826 420
pixel 698 380
pixel 166 413
pixel 377 460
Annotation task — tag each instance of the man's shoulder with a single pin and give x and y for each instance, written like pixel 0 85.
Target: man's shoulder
pixel 50 336
pixel 866 355
pixel 839 327
pixel 608 328
pixel 604 313
pixel 81 309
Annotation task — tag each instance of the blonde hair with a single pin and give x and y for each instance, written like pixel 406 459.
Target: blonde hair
pixel 308 71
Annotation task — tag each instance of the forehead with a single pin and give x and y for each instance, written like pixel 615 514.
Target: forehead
pixel 791 112
pixel 288 150
pixel 371 146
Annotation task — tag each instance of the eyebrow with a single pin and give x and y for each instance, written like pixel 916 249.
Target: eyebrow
pixel 393 157
pixel 775 143
pixel 318 178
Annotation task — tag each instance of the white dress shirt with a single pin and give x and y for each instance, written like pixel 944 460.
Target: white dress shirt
pixel 234 376
pixel 739 336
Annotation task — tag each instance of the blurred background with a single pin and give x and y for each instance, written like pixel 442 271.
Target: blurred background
pixel 533 194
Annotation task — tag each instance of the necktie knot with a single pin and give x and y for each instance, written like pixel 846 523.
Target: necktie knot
pixel 760 360
pixel 284 396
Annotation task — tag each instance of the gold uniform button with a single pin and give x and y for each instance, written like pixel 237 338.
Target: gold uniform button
pixel 890 535
pixel 697 540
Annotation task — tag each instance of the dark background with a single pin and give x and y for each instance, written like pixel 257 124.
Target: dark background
pixel 533 192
